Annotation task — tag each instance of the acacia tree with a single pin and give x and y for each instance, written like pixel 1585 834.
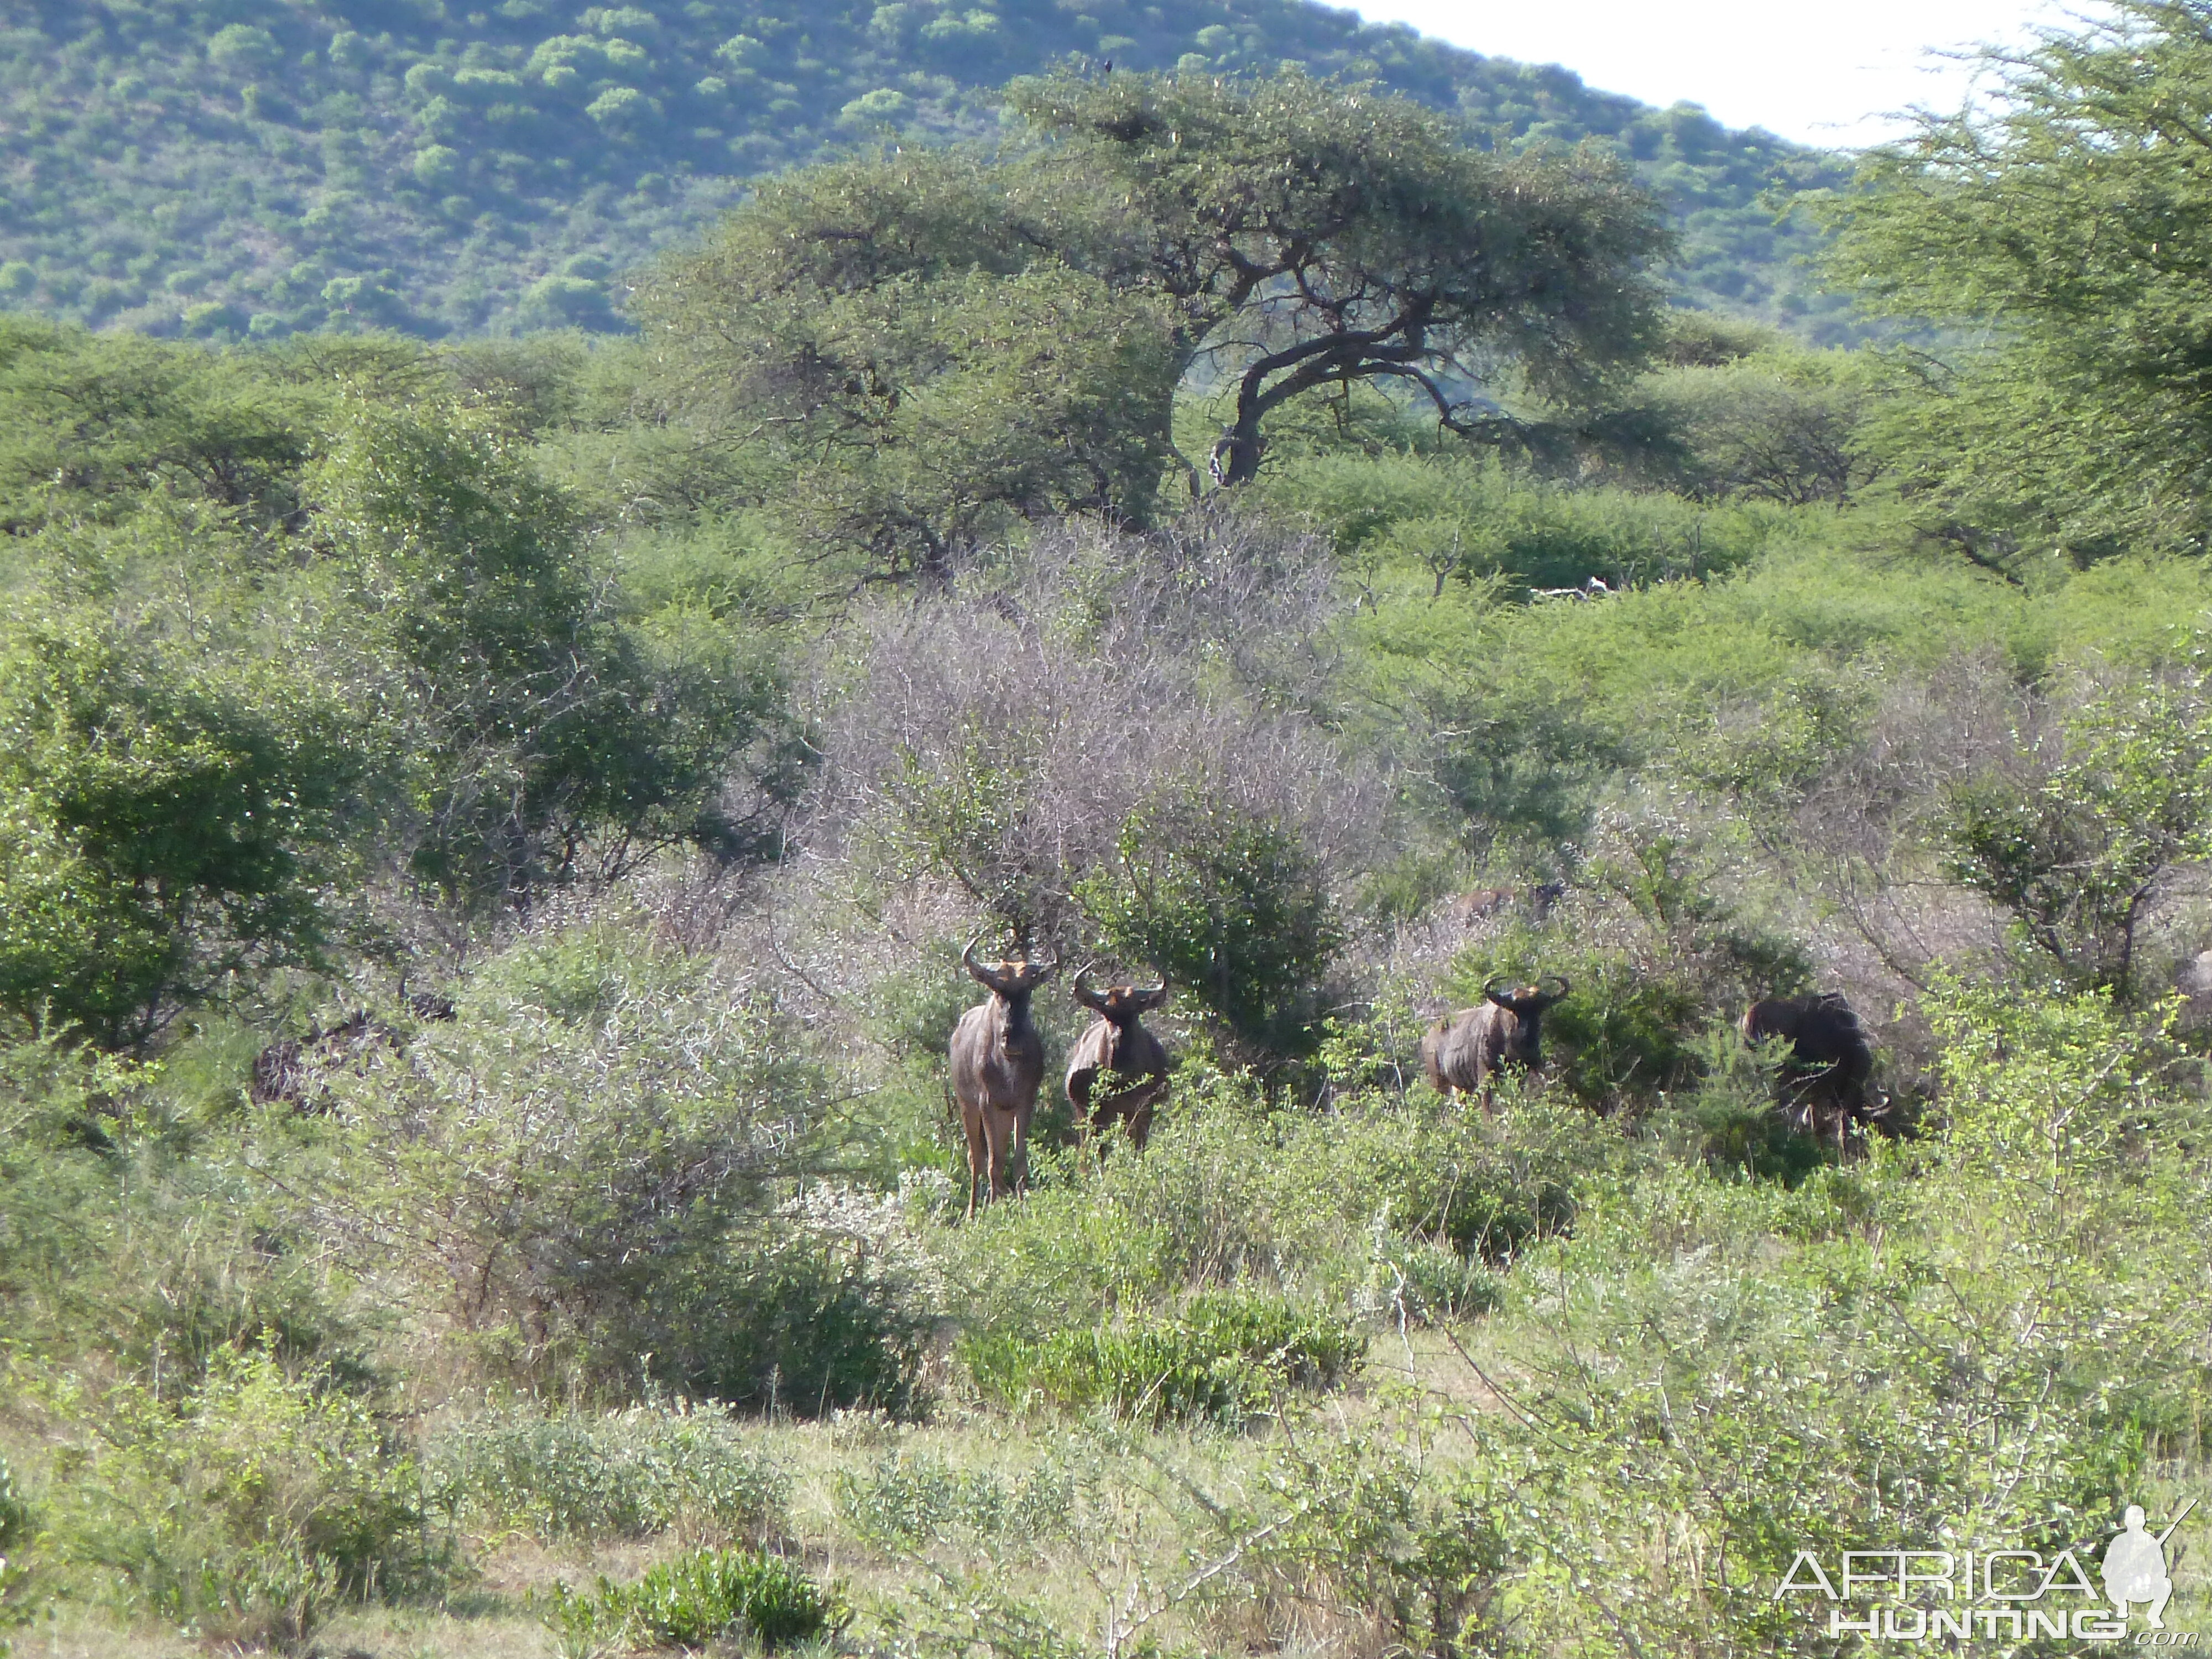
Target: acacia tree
pixel 910 343
pixel 2070 223
pixel 1312 234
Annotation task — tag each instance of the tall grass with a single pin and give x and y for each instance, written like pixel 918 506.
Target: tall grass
pixel 562 1476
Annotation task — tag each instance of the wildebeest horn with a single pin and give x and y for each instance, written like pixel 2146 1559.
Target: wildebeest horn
pixel 968 961
pixel 1082 992
pixel 1490 993
pixel 1559 996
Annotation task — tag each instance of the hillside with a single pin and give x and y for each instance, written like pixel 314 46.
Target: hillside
pixel 265 168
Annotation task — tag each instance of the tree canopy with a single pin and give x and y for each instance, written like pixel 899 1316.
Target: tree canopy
pixel 280 626
pixel 1313 234
pixel 909 343
pixel 2065 235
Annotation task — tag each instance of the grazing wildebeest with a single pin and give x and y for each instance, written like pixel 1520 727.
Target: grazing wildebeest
pixel 998 1062
pixel 1466 1050
pixel 1117 1072
pixel 1828 1071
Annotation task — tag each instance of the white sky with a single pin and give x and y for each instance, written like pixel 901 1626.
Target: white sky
pixel 1822 73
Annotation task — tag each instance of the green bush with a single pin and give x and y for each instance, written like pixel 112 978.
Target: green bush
pixel 2069 845
pixel 788 1318
pixel 538 729
pixel 1315 1205
pixel 249 1509
pixel 1224 1355
pixel 1447 1284
pixel 589 1167
pixel 124 1245
pixel 561 1475
pixel 169 818
pixel 706 1596
pixel 1229 904
pixel 1730 1121
pixel 906 1500
pixel 1470 520
pixel 15 1510
pixel 1483 1210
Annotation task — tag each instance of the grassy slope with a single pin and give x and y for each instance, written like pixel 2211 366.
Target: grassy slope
pixel 413 164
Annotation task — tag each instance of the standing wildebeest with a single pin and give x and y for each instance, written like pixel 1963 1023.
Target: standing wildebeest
pixel 1134 1065
pixel 1466 1050
pixel 1829 1065
pixel 998 1062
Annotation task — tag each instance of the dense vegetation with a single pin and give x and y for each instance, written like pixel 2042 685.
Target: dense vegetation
pixel 488 833
pixel 254 166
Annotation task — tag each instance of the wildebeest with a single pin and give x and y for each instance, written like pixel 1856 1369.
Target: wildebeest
pixel 998 1062
pixel 1829 1066
pixel 1484 903
pixel 290 1068
pixel 1466 1050
pixel 1117 1072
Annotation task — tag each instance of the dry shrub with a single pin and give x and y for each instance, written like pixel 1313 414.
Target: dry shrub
pixel 1869 842
pixel 998 740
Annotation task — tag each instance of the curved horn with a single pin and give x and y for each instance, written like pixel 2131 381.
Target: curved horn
pixel 977 970
pixel 1566 987
pixel 1082 992
pixel 1490 993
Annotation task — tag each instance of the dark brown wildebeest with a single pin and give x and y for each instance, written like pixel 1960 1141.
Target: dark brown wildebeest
pixel 998 1063
pixel 1829 1067
pixel 1466 1050
pixel 291 1069
pixel 1117 1072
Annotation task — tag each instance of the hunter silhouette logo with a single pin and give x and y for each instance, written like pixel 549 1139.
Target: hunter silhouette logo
pixel 2014 1594
pixel 2134 1566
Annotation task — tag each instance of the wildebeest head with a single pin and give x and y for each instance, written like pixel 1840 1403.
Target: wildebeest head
pixel 1527 1004
pixel 1118 1004
pixel 1014 980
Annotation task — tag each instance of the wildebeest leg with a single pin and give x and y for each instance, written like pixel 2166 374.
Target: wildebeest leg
pixel 1140 1116
pixel 1079 1084
pixel 1018 1161
pixel 971 1125
pixel 997 1131
pixel 1133 1108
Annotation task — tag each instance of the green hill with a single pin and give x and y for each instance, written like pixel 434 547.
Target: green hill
pixel 251 166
